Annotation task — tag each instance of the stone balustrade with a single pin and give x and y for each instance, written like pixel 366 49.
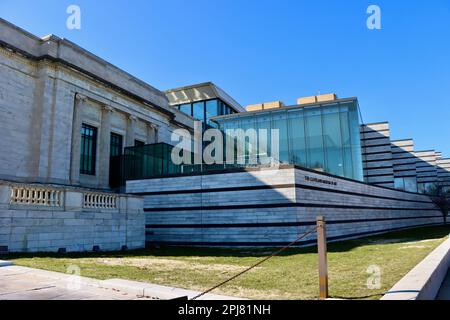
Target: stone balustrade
pixel 50 218
pixel 99 201
pixel 56 197
pixel 33 196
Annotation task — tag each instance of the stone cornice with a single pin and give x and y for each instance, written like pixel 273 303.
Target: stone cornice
pixel 47 58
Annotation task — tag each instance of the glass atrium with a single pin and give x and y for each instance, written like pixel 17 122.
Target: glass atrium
pixel 323 137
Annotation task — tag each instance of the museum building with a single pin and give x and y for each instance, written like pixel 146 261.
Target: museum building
pixel 86 161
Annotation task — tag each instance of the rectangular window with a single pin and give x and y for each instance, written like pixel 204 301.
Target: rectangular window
pixel 399 184
pixel 198 111
pixel 410 184
pixel 406 184
pixel 88 149
pixel 186 108
pixel 115 161
pixel 116 145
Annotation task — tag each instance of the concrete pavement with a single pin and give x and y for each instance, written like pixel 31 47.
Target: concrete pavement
pixel 22 283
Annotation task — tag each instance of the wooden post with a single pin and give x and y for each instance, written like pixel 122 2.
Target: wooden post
pixel 322 250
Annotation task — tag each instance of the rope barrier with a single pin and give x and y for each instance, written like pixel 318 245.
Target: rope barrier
pixel 304 235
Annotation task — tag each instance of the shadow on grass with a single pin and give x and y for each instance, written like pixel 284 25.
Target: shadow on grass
pixel 409 235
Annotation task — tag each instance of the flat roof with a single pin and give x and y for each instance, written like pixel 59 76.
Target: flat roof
pixel 199 92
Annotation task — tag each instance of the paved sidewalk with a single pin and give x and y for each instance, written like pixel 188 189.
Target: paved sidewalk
pixel 21 283
pixel 444 293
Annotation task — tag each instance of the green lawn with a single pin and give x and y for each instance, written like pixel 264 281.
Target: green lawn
pixel 293 275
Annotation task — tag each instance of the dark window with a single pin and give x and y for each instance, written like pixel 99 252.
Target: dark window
pixel 88 149
pixel 116 145
pixel 138 143
pixel 115 160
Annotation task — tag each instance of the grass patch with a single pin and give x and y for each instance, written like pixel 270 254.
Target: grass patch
pixel 293 275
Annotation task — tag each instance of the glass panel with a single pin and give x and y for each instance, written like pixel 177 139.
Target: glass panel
pixel 421 187
pixel 410 184
pixel 247 123
pixel 186 108
pixel 279 122
pixel 211 109
pixel 314 139
pixel 224 126
pixel 346 143
pixel 355 136
pixel 297 137
pixel 399 183
pixel 333 140
pixel 222 108
pixel 263 122
pixel 198 110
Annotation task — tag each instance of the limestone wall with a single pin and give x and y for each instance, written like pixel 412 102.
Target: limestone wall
pixel 41 117
pixel 272 207
pixel 44 218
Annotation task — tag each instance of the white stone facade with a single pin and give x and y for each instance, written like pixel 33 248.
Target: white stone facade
pixel 49 87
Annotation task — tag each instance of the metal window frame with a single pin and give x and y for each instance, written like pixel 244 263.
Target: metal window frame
pixel 91 152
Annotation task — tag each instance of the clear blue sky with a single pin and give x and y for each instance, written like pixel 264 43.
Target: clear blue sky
pixel 259 50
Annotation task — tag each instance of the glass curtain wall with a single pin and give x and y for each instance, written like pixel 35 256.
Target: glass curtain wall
pixel 324 137
pixel 205 110
pixel 406 184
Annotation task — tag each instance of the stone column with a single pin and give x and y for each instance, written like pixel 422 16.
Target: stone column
pixel 152 136
pixel 131 131
pixel 76 139
pixel 105 147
